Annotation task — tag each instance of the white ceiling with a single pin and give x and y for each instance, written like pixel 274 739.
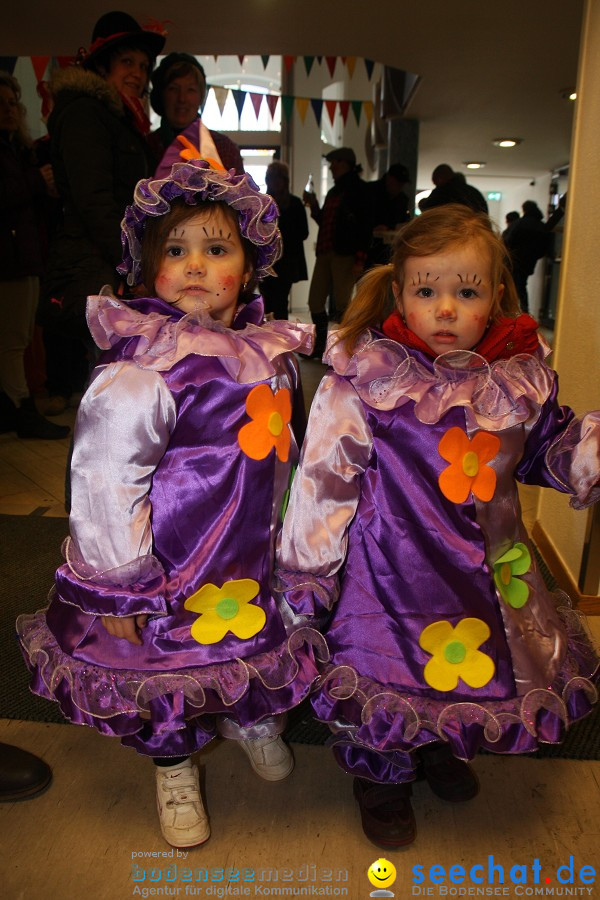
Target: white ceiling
pixel 487 68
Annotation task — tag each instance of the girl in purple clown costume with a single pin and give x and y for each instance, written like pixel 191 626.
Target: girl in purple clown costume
pixel 162 628
pixel 404 535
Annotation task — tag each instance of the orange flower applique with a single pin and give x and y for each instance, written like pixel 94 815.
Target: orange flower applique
pixel 468 471
pixel 270 414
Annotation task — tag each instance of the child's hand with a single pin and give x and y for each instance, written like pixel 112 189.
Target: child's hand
pixel 127 627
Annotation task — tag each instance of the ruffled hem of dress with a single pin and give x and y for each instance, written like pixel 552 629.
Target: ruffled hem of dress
pixel 163 341
pixel 496 395
pixel 374 716
pixel 104 694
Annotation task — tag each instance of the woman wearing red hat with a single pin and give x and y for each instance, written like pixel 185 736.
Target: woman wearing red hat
pixel 98 131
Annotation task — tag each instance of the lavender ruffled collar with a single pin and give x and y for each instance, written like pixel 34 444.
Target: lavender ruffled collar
pixel 495 396
pixel 246 351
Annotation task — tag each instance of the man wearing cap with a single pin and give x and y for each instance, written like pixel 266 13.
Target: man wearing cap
pixel 390 210
pixel 345 226
pixel 178 92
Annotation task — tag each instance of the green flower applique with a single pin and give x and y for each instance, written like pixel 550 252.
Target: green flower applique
pixel 516 561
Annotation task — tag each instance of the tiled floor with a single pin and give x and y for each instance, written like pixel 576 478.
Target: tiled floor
pixel 95 829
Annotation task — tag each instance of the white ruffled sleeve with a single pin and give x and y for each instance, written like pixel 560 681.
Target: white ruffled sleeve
pixel 123 428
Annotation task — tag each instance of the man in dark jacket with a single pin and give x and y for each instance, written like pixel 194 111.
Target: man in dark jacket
pixel 451 187
pixel 528 240
pixel 345 229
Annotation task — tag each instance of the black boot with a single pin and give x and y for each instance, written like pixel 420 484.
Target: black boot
pixel 22 775
pixel 320 321
pixel 8 414
pixel 31 425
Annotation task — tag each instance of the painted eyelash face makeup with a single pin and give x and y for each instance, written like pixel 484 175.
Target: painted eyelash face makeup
pixel 447 298
pixel 203 267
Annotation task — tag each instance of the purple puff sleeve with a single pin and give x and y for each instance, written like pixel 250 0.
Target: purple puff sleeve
pixel 123 428
pixel 324 498
pixel 562 452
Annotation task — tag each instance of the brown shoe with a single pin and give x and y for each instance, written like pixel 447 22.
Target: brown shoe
pixel 22 775
pixel 386 813
pixel 448 777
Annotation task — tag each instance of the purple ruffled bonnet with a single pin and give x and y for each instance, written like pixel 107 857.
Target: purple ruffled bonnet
pixel 196 181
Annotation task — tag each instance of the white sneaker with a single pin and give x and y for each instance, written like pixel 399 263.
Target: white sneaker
pixel 269 757
pixel 183 821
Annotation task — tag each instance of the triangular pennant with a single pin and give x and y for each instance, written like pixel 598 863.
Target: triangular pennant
pixel 288 62
pixel 241 58
pixel 287 105
pixel 302 106
pixel 8 63
pixel 344 107
pixel 351 64
pixel 317 105
pixel 357 109
pixel 257 100
pixel 330 106
pixel 39 64
pixel 344 58
pixel 221 94
pixel 368 107
pixel 308 63
pixel 369 65
pixel 272 103
pixel 331 61
pixel 265 60
pixel 319 59
pixel 215 56
pixel 239 98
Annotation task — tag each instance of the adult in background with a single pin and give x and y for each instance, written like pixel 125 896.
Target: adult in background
pixel 510 219
pixel 452 187
pixel 293 224
pixel 345 229
pixel 24 189
pixel 528 240
pixel 390 210
pixel 98 129
pixel 178 93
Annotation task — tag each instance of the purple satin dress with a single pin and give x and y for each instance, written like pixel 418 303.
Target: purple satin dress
pixel 404 538
pixel 184 444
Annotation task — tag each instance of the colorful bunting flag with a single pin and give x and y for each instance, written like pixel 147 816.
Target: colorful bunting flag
pixel 351 64
pixel 317 105
pixel 357 109
pixel 239 98
pixel 369 64
pixel 287 105
pixel 241 57
pixel 272 103
pixel 288 62
pixel 368 108
pixel 39 64
pixel 344 107
pixel 8 63
pixel 302 106
pixel 330 106
pixel 221 95
pixel 308 63
pixel 265 61
pixel 331 61
pixel 257 100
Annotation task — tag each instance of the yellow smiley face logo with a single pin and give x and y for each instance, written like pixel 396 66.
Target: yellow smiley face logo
pixel 381 873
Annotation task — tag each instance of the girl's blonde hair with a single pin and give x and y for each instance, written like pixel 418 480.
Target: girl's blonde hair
pixel 435 231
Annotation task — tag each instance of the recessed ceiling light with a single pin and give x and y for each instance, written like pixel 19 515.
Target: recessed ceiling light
pixel 474 165
pixel 569 94
pixel 506 142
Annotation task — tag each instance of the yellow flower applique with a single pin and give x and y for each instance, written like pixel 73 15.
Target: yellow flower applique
pixel 226 609
pixel 455 654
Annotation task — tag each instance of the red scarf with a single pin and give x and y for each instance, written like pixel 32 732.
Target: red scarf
pixel 136 108
pixel 505 338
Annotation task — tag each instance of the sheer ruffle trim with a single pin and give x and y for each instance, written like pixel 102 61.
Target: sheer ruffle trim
pixel 140 572
pixel 497 395
pixel 247 354
pixel 307 595
pixel 105 693
pixel 392 721
pixel 574 461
